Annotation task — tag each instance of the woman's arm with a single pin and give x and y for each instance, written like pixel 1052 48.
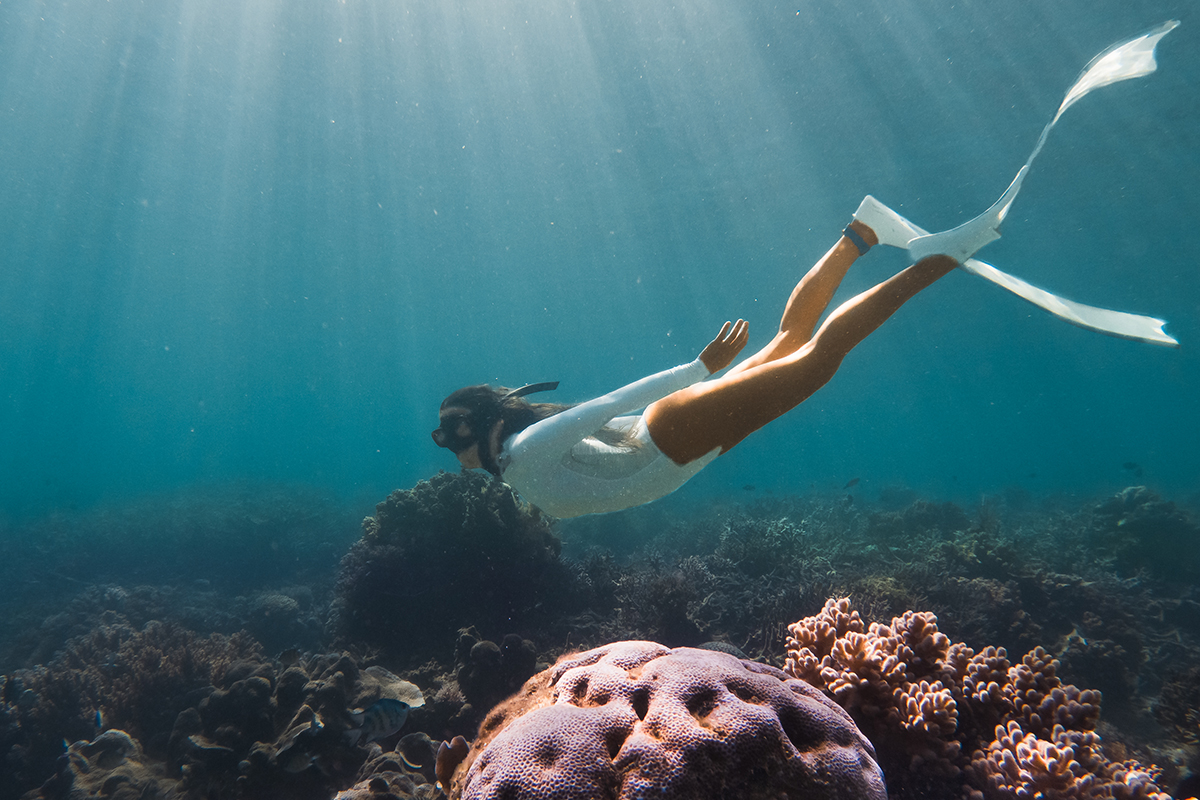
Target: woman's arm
pixel 722 350
pixel 558 434
pixel 554 436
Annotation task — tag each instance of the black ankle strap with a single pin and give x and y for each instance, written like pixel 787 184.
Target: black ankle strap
pixel 858 241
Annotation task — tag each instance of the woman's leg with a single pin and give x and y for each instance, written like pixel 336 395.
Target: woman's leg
pixel 722 412
pixel 809 300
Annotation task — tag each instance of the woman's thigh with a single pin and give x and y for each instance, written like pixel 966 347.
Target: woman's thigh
pixel 721 412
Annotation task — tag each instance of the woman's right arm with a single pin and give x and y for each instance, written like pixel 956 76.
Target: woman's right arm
pixel 554 436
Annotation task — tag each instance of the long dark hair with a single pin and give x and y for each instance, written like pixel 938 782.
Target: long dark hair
pixel 489 404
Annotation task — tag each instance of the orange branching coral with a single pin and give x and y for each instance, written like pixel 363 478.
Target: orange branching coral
pixel 807 644
pixel 1041 701
pixel 890 677
pixel 927 707
pixel 1068 765
pixel 941 709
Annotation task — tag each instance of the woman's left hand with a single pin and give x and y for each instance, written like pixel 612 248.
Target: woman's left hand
pixel 722 350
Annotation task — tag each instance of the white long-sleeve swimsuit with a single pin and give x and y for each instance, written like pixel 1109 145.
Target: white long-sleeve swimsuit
pixel 561 467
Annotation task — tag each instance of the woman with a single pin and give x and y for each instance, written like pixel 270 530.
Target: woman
pixel 588 459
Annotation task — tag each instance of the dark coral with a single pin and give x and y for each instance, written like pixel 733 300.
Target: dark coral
pixel 406 772
pixel 465 549
pixel 283 617
pixel 283 730
pixel 636 719
pixel 488 672
pixel 115 677
pixel 1178 704
pixel 1146 532
pixel 186 715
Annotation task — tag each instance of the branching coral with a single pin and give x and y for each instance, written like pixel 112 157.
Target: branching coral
pixel 931 706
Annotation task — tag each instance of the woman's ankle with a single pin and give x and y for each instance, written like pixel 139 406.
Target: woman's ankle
pixel 864 230
pixel 861 236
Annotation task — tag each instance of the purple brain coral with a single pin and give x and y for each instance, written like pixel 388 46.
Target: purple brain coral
pixel 636 719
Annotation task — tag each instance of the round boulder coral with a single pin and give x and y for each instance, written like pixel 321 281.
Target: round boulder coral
pixel 636 719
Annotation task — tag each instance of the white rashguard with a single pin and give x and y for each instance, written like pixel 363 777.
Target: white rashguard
pixel 559 466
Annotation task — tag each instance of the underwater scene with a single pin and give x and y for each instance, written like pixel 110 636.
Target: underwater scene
pixel 812 392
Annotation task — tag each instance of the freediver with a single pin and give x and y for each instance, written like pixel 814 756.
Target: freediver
pixel 590 458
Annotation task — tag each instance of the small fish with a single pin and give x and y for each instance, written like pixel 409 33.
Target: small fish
pixel 380 720
pixel 297 762
pixel 1133 467
pixel 749 487
pixel 852 483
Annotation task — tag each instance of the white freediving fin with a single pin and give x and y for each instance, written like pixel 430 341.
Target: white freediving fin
pixel 1129 59
pixel 1120 62
pixel 896 229
pixel 1104 320
pixel 969 238
pixel 889 227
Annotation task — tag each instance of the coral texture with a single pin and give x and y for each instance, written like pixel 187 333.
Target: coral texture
pixel 113 677
pixel 636 719
pixel 111 766
pixel 489 559
pixel 1147 532
pixel 488 672
pixel 191 716
pixel 935 707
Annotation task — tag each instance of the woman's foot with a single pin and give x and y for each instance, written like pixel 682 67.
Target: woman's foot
pixel 888 227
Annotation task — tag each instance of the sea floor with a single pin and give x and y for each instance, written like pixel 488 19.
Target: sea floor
pixel 213 643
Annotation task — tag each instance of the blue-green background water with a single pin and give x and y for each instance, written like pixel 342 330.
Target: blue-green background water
pixel 261 241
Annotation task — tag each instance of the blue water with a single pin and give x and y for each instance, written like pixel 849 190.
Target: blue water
pixel 261 241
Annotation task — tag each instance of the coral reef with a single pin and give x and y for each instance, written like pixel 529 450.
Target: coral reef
pixel 115 677
pixel 110 766
pixel 636 719
pixel 284 729
pixel 465 539
pixel 406 772
pixel 279 618
pixel 462 590
pixel 938 711
pixel 1178 704
pixel 1144 531
pixel 188 715
pixel 488 672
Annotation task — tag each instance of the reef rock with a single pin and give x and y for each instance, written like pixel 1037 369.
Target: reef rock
pixel 636 719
